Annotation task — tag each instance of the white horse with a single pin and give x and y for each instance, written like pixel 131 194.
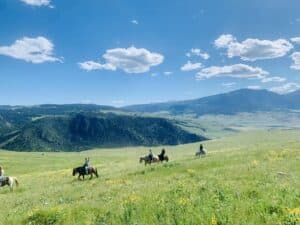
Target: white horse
pixel 9 181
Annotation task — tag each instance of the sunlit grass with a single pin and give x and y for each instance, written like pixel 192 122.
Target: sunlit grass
pixel 247 178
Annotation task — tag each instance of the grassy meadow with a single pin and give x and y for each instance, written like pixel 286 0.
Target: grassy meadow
pixel 249 178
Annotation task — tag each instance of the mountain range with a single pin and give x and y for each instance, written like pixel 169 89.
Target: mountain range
pixel 243 100
pixel 75 127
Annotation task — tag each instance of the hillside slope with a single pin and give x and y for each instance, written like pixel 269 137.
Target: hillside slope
pixel 85 131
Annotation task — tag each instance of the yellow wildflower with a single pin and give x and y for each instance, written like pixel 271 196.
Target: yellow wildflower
pixel 182 201
pixel 213 221
pixel 132 198
pixel 294 211
pixel 254 163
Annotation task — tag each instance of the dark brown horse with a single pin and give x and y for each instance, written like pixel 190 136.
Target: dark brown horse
pixel 82 172
pixel 163 158
pixel 9 181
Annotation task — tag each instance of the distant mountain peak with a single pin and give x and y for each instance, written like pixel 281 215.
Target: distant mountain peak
pixel 242 100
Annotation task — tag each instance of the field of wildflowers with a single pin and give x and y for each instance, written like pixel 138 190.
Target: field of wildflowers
pixel 250 178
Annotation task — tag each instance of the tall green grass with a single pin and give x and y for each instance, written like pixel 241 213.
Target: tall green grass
pixel 248 178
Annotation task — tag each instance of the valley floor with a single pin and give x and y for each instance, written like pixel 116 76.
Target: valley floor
pixel 248 178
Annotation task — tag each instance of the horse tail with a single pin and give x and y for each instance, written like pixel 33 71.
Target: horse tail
pixel 17 182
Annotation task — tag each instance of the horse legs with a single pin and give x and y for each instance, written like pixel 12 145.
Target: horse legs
pixel 80 176
pixel 91 177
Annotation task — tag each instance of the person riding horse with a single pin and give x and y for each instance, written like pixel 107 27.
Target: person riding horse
pixel 1 174
pixel 86 165
pixel 202 151
pixel 86 169
pixel 161 156
pixel 150 155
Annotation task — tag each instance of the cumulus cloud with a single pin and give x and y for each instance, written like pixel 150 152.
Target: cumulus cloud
pixel 37 2
pixel 235 71
pixel 189 66
pixel 130 60
pixel 224 41
pixel 34 50
pixel 296 58
pixel 198 52
pixel 91 65
pixel 273 79
pixel 253 49
pixel 296 40
pixel 286 88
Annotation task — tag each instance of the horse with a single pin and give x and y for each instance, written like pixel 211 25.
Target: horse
pixel 148 160
pixel 201 153
pixel 163 158
pixel 82 172
pixel 9 181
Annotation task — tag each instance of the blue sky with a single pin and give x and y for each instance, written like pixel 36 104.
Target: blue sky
pixel 118 52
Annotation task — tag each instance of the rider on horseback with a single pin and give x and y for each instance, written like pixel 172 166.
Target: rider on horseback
pixel 1 174
pixel 86 165
pixel 202 150
pixel 162 154
pixel 150 154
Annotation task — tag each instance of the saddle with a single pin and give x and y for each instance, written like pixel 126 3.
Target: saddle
pixel 3 181
pixel 87 170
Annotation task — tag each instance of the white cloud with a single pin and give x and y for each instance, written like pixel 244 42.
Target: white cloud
pixel 37 2
pixel 286 88
pixel 91 65
pixel 296 40
pixel 224 41
pixel 254 87
pixel 154 74
pixel 253 49
pixel 34 50
pixel 230 84
pixel 296 58
pixel 130 60
pixel 168 73
pixel 273 79
pixel 189 66
pixel 134 22
pixel 236 71
pixel 198 52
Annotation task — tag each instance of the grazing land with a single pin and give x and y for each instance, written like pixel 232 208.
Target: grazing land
pixel 250 178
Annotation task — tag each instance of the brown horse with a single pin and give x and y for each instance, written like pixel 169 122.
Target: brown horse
pixel 164 158
pixel 9 181
pixel 82 172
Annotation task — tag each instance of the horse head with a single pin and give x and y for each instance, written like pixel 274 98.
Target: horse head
pixel 141 159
